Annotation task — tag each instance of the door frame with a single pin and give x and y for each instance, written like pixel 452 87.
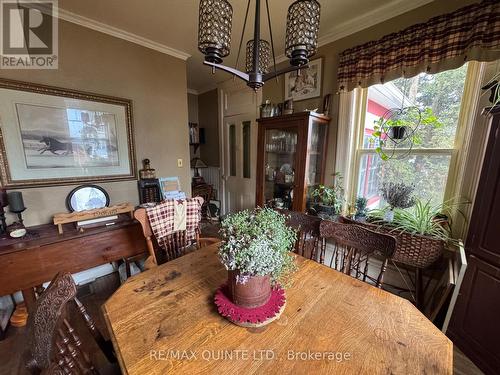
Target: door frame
pixel 223 90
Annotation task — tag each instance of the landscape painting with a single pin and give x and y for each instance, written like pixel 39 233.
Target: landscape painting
pixel 67 137
pixel 54 136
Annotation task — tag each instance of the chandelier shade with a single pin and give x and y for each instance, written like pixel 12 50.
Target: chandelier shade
pixel 302 28
pixel 214 31
pixel 264 57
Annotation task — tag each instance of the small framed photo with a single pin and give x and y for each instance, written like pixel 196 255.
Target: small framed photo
pixel 305 85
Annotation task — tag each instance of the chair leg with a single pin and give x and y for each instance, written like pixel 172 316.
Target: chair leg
pixel 381 275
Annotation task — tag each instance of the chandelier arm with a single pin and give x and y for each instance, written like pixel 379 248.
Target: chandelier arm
pixel 228 69
pixel 242 35
pixel 271 37
pixel 256 38
pixel 291 68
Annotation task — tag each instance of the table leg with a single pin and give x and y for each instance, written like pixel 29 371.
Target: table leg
pixel 29 299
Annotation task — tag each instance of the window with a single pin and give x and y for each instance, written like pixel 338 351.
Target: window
pixel 425 162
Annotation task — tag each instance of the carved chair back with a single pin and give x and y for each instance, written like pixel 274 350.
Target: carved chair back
pixel 353 246
pixel 54 346
pixel 174 245
pixel 307 228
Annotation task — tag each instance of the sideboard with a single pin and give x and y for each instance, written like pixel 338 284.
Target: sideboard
pixel 31 261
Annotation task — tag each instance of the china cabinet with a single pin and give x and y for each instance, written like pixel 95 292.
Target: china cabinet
pixel 291 157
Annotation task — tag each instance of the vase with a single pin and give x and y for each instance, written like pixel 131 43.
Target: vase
pixel 389 216
pixel 255 292
pixel 397 132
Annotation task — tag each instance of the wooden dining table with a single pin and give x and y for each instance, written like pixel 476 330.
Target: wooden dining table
pixel 164 321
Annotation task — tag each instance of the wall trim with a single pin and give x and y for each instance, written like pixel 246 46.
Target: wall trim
pixel 366 20
pixel 122 34
pixel 192 91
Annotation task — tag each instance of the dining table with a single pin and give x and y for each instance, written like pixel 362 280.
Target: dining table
pixel 164 321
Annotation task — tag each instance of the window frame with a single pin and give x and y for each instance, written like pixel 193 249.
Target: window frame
pixel 359 100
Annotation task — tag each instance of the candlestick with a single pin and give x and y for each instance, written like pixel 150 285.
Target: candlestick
pixel 16 203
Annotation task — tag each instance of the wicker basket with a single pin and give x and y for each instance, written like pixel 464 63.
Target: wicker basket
pixel 412 249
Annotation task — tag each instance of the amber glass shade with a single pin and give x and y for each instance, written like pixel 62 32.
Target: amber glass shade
pixel 302 29
pixel 214 29
pixel 264 56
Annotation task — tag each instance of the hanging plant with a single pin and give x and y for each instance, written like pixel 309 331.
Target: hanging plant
pixel 397 128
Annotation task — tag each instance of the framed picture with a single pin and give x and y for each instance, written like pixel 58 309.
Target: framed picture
pixel 306 85
pixel 53 136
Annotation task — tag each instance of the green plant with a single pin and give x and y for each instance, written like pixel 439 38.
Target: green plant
pixel 332 196
pixel 360 206
pixel 257 243
pixel 423 218
pixel 406 119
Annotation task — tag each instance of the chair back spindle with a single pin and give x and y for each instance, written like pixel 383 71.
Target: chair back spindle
pixel 352 248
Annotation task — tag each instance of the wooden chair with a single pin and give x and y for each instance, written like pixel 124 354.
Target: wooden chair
pixel 307 228
pixel 207 241
pixel 177 245
pixel 53 345
pixel 352 248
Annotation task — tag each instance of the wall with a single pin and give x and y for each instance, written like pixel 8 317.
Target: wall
pixel 208 109
pixel 156 84
pixel 330 52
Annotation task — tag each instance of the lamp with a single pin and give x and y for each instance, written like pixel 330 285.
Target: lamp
pixel 196 164
pixel 214 39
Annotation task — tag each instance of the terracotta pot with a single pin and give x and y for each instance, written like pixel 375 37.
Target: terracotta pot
pixel 254 293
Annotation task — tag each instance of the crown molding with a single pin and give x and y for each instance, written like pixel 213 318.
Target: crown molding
pixel 122 34
pixel 192 91
pixel 366 20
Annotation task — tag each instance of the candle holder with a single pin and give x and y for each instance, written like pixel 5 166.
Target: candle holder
pixel 16 204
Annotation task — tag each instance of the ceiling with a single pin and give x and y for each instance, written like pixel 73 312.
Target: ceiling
pixel 171 26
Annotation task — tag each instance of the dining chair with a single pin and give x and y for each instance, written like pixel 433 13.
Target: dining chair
pixel 353 246
pixel 172 246
pixel 307 227
pixel 53 344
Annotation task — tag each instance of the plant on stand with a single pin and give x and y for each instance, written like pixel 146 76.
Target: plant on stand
pixel 329 200
pixel 397 195
pixel 256 252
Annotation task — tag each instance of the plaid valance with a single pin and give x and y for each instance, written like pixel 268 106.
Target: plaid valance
pixel 444 42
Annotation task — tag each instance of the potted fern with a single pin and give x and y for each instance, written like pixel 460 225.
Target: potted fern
pixel 256 252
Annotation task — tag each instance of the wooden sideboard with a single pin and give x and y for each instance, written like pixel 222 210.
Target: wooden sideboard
pixel 27 263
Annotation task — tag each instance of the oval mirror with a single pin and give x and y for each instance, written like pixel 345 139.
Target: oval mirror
pixel 87 197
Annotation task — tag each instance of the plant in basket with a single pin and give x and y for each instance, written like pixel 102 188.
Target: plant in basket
pixel 256 252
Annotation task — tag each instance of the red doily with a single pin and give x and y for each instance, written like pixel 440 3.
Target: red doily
pixel 238 314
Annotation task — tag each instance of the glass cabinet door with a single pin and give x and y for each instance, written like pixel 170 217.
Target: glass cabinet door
pixel 316 156
pixel 279 166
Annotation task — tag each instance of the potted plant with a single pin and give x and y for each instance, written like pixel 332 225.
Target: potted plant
pixel 360 206
pixel 397 195
pixel 422 230
pixel 329 200
pixel 400 127
pixel 256 252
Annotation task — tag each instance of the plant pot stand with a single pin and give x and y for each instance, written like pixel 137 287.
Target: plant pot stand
pixel 250 317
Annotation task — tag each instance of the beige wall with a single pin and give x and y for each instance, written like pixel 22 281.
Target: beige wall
pixel 208 117
pixel 275 91
pixel 156 84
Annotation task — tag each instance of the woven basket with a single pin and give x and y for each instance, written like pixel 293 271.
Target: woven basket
pixel 412 249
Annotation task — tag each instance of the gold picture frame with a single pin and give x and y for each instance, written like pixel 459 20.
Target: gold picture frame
pixel 54 136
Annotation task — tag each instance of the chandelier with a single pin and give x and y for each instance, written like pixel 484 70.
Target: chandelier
pixel 301 41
